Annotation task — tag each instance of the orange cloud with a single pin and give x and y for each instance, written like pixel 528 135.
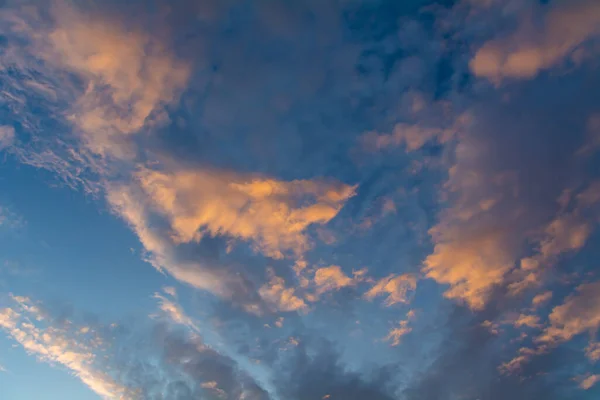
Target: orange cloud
pixel 534 48
pixel 568 232
pixel 280 297
pixel 541 299
pixel 395 335
pixel 129 74
pixel 593 351
pixel 531 321
pixel 579 313
pixel 59 345
pixel 161 252
pixel 395 287
pixel 589 382
pixel 333 278
pixel 270 214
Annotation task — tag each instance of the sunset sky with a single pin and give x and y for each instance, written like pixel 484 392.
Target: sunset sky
pixel 299 199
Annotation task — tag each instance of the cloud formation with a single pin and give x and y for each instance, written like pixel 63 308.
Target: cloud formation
pixel 271 214
pixel 78 350
pixel 540 42
pixel 395 287
pixel 129 74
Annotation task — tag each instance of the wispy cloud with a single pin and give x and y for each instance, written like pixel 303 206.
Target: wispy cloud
pixel 537 45
pixel 396 287
pixel 55 343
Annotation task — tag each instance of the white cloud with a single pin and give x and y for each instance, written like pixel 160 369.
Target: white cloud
pixel 174 312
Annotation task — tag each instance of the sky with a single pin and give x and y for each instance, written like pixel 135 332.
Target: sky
pixel 299 200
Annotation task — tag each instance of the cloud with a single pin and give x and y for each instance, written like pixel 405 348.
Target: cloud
pixel 536 46
pixel 491 215
pixel 174 312
pixel 414 137
pixel 129 74
pixel 60 344
pixel 7 136
pixel 271 214
pixel 531 321
pixel 279 296
pixel 131 205
pixel 593 352
pixel 332 278
pixel 579 313
pixel 562 235
pixel 395 287
pixel 395 335
pixel 168 211
pixel 589 381
pixel 541 299
pixel 315 370
pixel 130 361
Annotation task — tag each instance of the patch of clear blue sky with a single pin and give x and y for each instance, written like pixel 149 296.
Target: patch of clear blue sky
pixel 75 247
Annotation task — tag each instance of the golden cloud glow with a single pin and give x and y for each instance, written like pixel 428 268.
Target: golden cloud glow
pixel 333 278
pixel 270 214
pixel 76 351
pixel 541 299
pixel 129 75
pixel 281 297
pixel 578 314
pixel 395 287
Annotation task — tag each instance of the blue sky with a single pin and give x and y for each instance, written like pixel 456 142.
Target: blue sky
pixel 276 200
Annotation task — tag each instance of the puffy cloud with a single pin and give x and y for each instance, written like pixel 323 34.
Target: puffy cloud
pixel 395 287
pixel 271 214
pixel 531 321
pixel 566 233
pixel 541 299
pixel 129 74
pixel 492 215
pixel 589 381
pixel 333 278
pixel 579 313
pixel 132 205
pixel 281 297
pixel 106 77
pixel 7 136
pixel 593 352
pixel 539 45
